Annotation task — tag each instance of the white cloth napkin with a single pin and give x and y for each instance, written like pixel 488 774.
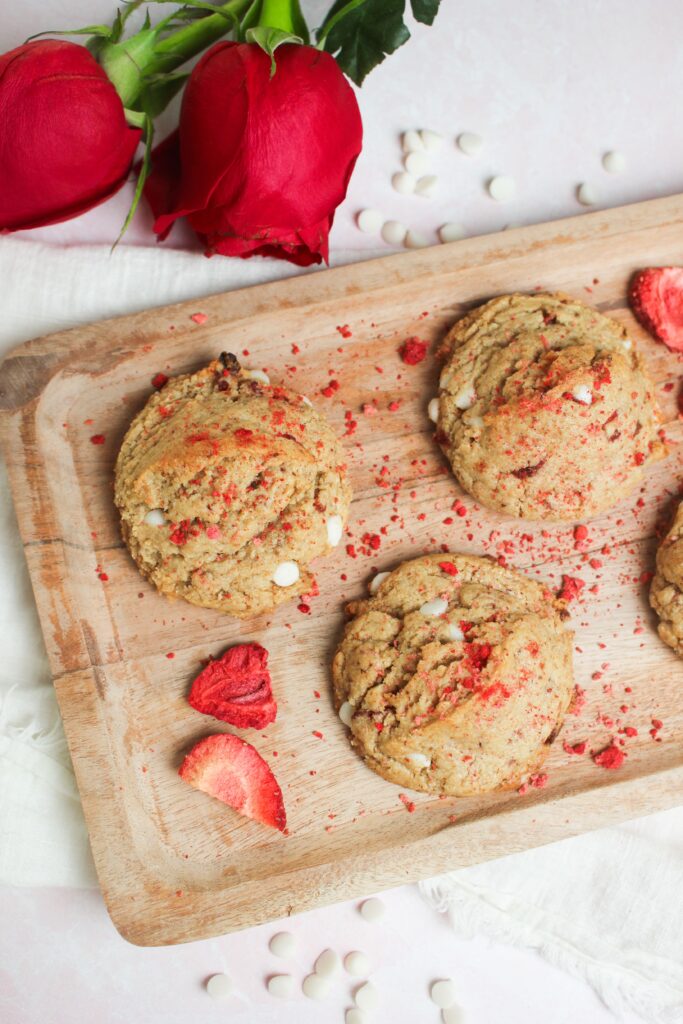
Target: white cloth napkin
pixel 607 906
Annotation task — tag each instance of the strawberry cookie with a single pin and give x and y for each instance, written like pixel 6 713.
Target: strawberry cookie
pixel 455 676
pixel 544 409
pixel 228 488
pixel 666 591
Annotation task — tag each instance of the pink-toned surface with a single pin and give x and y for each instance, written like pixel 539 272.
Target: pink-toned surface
pixel 551 86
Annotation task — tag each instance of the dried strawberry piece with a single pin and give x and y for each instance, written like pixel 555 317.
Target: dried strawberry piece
pixel 526 471
pixel 610 757
pixel 413 351
pixel 236 688
pixel 656 297
pixel 231 770
pixel 571 588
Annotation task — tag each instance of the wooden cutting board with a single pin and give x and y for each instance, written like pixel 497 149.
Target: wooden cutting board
pixel 175 865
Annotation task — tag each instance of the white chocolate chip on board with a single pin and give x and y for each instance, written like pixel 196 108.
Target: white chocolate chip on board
pixel 432 141
pixel 411 142
pixel 370 221
pixel 416 240
pixel 587 194
pixel 366 997
pixel 377 581
pixel 614 162
pixel 315 987
pixel 393 232
pixel 286 574
pixel 357 964
pixel 416 163
pixel 426 185
pixel 282 944
pixel 502 188
pixel 433 410
pixel 328 964
pixel 442 993
pixel 451 232
pixel 403 182
pixel 219 986
pixel 372 910
pixel 281 985
pixel 470 143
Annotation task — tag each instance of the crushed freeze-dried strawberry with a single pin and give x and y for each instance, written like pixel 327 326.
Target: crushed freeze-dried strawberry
pixel 413 351
pixel 345 331
pixel 610 757
pixel 448 568
pixel 571 588
pixel 574 748
pixel 407 803
pixel 158 380
pixel 236 688
pixel 656 297
pixel 199 318
pixel 97 439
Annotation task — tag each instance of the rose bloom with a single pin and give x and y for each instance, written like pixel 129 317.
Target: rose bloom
pixel 260 162
pixel 64 142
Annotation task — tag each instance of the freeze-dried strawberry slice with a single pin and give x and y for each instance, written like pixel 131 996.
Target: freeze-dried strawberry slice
pixel 656 298
pixel 230 769
pixel 236 688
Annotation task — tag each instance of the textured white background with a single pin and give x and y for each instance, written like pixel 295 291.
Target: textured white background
pixel 551 86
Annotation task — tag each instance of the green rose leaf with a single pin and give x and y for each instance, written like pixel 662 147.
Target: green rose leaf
pixel 425 10
pixel 269 39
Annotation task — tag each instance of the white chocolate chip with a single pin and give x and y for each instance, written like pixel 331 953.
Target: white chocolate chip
pixel 372 910
pixel 502 188
pixel 453 632
pixel 442 993
pixel 433 410
pixel 328 964
pixel 219 986
pixel 416 163
pixel 470 143
pixel 432 141
pixel 315 987
pixel 354 1016
pixel 155 517
pixel 346 713
pixel 366 997
pixel 583 394
pixel 426 185
pixel 587 194
pixel 357 964
pixel 451 232
pixel 403 182
pixel 370 221
pixel 286 574
pixel 281 985
pixel 453 1015
pixel 411 142
pixel 466 397
pixel 282 944
pixel 306 401
pixel 614 162
pixel 393 232
pixel 376 581
pixel 627 343
pixel 259 375
pixel 420 760
pixel 431 609
pixel 416 240
pixel 335 529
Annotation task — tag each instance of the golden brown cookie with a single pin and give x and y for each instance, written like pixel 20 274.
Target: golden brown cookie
pixel 666 590
pixel 455 676
pixel 544 408
pixel 228 488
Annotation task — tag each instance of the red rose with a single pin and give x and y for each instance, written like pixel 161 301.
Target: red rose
pixel 64 142
pixel 259 163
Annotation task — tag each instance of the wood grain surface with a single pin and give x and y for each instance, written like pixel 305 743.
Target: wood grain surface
pixel 175 865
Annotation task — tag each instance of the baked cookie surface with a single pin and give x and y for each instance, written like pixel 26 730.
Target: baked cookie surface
pixel 544 408
pixel 228 487
pixel 666 590
pixel 455 676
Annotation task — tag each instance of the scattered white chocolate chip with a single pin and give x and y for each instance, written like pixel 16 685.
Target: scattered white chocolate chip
pixel 155 517
pixel 502 188
pixel 416 240
pixel 432 141
pixel 346 713
pixel 433 410
pixel 426 185
pixel 281 985
pixel 370 221
pixel 411 142
pixel 219 986
pixel 403 182
pixel 420 760
pixel 335 528
pixel 354 1016
pixel 614 162
pixel 259 375
pixel 282 944
pixel 377 581
pixel 315 987
pixel 366 997
pixel 286 574
pixel 328 964
pixel 416 163
pixel 306 401
pixel 393 232
pixel 466 397
pixel 583 394
pixel 372 910
pixel 470 143
pixel 454 632
pixel 432 609
pixel 442 993
pixel 627 343
pixel 451 232
pixel 453 1015
pixel 357 964
pixel 586 194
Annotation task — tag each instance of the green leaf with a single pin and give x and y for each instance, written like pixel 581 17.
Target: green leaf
pixel 425 10
pixel 90 30
pixel 143 174
pixel 269 39
pixel 361 34
pixel 158 92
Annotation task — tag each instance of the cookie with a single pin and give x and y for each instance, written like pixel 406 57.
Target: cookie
pixel 544 408
pixel 666 590
pixel 455 676
pixel 228 488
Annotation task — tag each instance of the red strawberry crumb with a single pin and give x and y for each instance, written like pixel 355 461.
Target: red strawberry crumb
pixel 97 439
pixel 407 803
pixel 331 388
pixel 413 351
pixel 538 781
pixel 394 406
pixel 318 735
pixel 170 655
pixel 580 532
pixel 448 568
pixel 351 551
pixel 657 723
pixel 571 588
pixel 574 748
pixel 345 331
pixel 305 608
pixel 199 318
pixel 158 380
pixel 379 726
pixel 103 576
pixel 295 349
pixel 639 458
pixel 611 757
pixel 630 731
